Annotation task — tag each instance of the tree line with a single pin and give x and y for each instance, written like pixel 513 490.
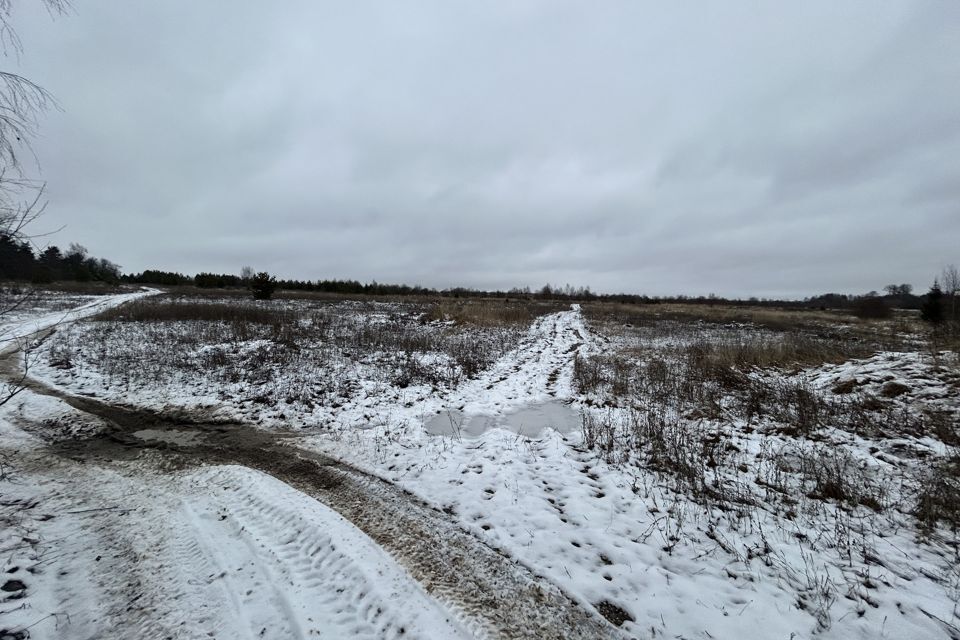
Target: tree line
pixel 871 304
pixel 19 262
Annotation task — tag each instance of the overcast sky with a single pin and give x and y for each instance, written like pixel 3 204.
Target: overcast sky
pixel 741 148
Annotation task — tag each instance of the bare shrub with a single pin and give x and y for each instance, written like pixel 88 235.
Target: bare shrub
pixel 939 496
pixel 944 425
pixel 796 406
pixel 844 387
pixel 472 355
pixel 833 474
pixel 599 433
pixel 893 389
pixel 698 459
pixel 587 374
pixel 410 371
pixel 708 364
pixel 61 356
pixel 621 375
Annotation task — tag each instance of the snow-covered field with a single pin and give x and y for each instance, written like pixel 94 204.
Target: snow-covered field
pixel 96 551
pixel 25 313
pixel 797 493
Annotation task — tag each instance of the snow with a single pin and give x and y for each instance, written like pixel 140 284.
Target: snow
pixel 224 551
pixel 620 535
pixel 923 381
pixel 503 452
pixel 33 318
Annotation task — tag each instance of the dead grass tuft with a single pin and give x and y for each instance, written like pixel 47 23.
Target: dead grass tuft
pixel 939 497
pixel 834 474
pixel 893 389
pixel 844 387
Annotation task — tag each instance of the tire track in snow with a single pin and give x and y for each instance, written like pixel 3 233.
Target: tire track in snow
pixel 492 595
pixel 539 369
pixel 293 554
pixel 223 552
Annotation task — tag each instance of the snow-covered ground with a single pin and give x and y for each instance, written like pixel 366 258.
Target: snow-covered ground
pixel 768 531
pixel 26 314
pixel 622 535
pixel 226 552
pixel 132 547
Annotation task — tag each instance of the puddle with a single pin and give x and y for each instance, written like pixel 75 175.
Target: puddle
pixel 531 421
pixel 178 437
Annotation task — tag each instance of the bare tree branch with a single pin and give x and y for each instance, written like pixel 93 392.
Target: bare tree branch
pixel 9 40
pixel 21 199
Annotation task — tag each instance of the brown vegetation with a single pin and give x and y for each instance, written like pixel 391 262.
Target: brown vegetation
pixel 490 312
pixel 167 310
pixel 836 326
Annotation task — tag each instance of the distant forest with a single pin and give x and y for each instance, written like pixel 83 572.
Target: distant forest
pixel 19 262
pixel 869 304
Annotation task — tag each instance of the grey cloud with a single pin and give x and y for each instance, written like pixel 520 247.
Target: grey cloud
pixel 728 148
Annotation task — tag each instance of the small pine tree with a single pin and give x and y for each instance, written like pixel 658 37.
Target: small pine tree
pixel 932 309
pixel 263 285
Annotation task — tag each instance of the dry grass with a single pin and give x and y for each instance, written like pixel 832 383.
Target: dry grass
pixel 939 497
pixel 174 311
pixel 480 312
pixel 682 380
pixel 278 349
pixel 789 349
pixel 824 325
pixel 490 312
pixel 831 473
pixel 747 375
pixel 771 318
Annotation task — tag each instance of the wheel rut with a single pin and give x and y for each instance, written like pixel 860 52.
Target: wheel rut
pixel 492 594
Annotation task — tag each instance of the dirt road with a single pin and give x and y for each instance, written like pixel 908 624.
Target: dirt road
pixel 489 594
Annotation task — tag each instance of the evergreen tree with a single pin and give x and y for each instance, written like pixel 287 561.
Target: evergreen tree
pixel 932 308
pixel 263 285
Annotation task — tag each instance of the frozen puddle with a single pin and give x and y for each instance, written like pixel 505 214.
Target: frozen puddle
pixel 531 421
pixel 178 437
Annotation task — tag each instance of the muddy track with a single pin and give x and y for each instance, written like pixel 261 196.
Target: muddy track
pixel 494 595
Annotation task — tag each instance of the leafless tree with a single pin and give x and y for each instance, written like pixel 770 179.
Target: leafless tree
pixel 898 289
pixel 950 284
pixel 21 103
pixel 21 199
